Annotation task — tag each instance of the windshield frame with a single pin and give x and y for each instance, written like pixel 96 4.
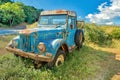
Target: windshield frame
pixel 52 24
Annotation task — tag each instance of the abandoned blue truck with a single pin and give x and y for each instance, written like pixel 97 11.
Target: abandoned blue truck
pixel 56 36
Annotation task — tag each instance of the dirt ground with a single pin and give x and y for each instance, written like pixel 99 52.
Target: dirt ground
pixel 117 57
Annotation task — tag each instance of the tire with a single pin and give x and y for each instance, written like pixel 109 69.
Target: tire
pixel 58 59
pixel 79 38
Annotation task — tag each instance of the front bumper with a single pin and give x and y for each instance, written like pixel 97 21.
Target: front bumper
pixel 33 56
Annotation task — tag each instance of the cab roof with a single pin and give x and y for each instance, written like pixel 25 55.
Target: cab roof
pixel 54 12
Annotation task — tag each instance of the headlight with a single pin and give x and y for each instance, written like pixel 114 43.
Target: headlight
pixel 14 43
pixel 42 47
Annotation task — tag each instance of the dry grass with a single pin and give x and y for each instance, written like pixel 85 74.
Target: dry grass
pixel 109 29
pixel 4 40
pixel 115 44
pixel 34 25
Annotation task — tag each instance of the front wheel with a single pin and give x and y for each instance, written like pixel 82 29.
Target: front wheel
pixel 58 60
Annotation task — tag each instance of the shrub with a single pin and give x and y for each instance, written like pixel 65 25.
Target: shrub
pixel 95 34
pixel 115 33
pixel 2 25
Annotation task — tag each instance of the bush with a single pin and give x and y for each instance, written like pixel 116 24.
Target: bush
pixel 2 25
pixel 95 34
pixel 115 33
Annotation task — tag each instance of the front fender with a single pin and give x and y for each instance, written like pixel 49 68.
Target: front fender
pixel 53 45
pixel 15 41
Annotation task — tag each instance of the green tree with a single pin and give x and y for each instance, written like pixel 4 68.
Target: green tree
pixel 4 1
pixel 31 13
pixel 11 13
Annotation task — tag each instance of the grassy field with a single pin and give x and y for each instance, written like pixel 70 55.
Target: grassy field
pixel 4 40
pixel 87 64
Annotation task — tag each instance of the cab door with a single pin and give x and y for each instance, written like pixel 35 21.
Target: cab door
pixel 71 29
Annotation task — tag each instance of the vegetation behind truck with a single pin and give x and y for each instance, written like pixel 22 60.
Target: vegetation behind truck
pixel 56 36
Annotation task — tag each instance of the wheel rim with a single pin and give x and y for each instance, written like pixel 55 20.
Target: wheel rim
pixel 60 60
pixel 80 38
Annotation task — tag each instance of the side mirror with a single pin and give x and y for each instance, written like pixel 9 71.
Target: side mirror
pixel 80 24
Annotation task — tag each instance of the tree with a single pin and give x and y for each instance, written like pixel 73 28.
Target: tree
pixel 11 13
pixel 4 1
pixel 15 13
pixel 31 13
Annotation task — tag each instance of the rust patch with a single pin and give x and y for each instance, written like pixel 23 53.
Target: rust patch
pixel 30 55
pixel 61 11
pixel 49 55
pixel 65 48
pixel 26 31
pixel 42 47
pixel 54 12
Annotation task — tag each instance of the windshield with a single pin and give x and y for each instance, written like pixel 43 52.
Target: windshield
pixel 52 20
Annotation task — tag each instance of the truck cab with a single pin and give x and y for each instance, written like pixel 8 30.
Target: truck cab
pixel 56 36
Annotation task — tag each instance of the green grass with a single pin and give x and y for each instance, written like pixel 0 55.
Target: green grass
pixel 86 64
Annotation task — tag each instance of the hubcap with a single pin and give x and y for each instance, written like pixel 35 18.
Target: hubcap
pixel 60 60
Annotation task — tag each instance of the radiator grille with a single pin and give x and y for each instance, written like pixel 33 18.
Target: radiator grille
pixel 25 43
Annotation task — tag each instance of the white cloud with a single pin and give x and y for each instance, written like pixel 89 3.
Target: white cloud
pixel 106 14
pixel 109 23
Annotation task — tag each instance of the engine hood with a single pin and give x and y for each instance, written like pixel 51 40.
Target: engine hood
pixel 30 38
pixel 29 31
pixel 43 33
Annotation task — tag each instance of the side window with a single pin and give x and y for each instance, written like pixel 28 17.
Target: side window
pixel 71 22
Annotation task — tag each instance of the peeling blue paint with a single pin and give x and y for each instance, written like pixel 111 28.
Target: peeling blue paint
pixel 52 37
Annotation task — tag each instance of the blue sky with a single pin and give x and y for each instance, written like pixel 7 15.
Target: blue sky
pixel 86 9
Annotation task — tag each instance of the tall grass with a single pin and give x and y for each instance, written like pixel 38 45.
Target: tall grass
pixel 113 31
pixel 83 65
pixel 95 34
